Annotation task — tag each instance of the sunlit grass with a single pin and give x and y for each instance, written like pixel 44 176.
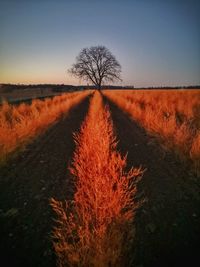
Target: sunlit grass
pixel 172 116
pixel 96 228
pixel 19 124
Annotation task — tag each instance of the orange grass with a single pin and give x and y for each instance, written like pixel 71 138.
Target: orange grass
pixel 95 229
pixel 173 116
pixel 18 124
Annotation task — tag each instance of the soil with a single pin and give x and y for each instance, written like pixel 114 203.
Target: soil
pixel 26 185
pixel 167 222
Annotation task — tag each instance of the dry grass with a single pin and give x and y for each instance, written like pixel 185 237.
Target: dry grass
pixel 8 94
pixel 95 229
pixel 173 116
pixel 19 124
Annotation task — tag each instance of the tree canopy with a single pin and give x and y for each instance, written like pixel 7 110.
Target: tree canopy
pixel 97 65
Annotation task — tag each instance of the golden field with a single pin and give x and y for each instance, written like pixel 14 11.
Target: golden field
pixel 172 116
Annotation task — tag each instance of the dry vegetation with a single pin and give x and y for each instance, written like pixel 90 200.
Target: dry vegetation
pixel 95 229
pixel 19 124
pixel 172 116
pixel 11 95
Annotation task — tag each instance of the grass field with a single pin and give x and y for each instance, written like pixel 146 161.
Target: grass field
pixel 19 124
pixel 103 179
pixel 10 95
pixel 172 116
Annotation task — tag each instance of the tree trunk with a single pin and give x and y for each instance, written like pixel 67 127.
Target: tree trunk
pixel 99 87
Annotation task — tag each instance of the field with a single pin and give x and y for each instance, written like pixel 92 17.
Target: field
pixel 174 119
pixel 15 93
pixel 101 179
pixel 19 124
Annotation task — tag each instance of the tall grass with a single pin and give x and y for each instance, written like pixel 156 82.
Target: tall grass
pixel 19 124
pixel 95 229
pixel 172 116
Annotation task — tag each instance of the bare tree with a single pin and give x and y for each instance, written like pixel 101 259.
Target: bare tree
pixel 96 64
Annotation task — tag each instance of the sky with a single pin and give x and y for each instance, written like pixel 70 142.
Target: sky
pixel 156 42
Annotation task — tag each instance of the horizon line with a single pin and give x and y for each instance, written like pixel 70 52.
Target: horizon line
pixel 103 86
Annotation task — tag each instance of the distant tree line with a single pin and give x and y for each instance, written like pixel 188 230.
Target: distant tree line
pixel 65 88
pixel 53 87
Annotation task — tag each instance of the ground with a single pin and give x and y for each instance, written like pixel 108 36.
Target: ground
pixel 167 222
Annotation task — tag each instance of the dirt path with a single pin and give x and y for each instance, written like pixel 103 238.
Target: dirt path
pixel 26 185
pixel 168 223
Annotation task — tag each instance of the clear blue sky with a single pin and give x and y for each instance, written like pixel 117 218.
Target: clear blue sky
pixel 156 42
